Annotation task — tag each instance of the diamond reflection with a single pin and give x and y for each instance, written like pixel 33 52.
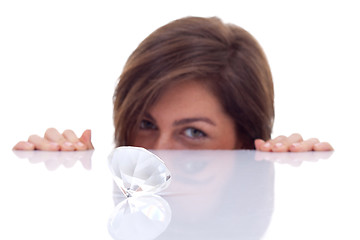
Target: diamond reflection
pixel 137 171
pixel 140 217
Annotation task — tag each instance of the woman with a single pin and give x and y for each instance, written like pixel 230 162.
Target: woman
pixel 194 83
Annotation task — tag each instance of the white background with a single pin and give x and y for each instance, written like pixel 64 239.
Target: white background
pixel 60 60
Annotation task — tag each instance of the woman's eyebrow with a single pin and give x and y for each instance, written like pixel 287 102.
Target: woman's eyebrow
pixel 148 115
pixel 191 120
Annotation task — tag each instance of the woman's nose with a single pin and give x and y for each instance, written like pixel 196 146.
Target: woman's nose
pixel 164 142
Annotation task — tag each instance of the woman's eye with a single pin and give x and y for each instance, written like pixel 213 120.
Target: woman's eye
pixel 147 125
pixel 194 133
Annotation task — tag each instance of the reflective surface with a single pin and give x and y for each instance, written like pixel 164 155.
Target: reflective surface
pixel 213 195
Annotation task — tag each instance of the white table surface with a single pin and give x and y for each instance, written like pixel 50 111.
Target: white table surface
pixel 213 195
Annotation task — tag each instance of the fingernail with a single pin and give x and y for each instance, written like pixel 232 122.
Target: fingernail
pixel 279 144
pixel 80 144
pixel 68 144
pixel 28 145
pixel 295 144
pixel 267 145
pixel 54 145
pixel 25 146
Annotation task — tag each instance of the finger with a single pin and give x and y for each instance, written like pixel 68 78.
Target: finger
pixel 23 145
pixel 304 146
pixel 70 136
pixel 280 138
pixel 43 144
pixel 53 135
pixel 284 144
pixel 268 145
pixel 86 139
pixel 259 143
pixel 323 146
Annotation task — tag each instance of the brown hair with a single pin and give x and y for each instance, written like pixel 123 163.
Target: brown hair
pixel 223 56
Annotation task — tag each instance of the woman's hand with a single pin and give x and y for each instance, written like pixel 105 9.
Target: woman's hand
pixel 293 143
pixel 54 141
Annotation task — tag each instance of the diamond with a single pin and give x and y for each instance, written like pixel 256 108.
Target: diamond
pixel 137 171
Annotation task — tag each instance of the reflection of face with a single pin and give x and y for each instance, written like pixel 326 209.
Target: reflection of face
pixel 196 176
pixel 187 116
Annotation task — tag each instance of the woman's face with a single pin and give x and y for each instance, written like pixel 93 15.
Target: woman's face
pixel 186 116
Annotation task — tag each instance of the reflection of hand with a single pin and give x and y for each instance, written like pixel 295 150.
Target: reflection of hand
pixel 54 141
pixel 293 143
pixel 53 160
pixel 294 159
